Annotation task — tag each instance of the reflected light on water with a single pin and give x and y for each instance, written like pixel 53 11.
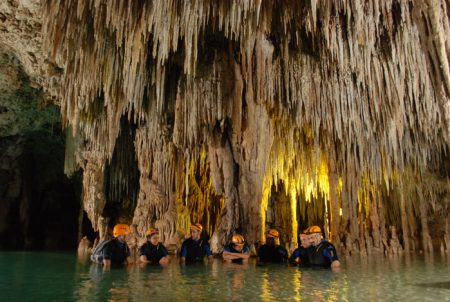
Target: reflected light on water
pixel 61 277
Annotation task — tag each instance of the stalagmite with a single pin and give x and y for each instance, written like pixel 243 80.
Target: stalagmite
pixel 233 101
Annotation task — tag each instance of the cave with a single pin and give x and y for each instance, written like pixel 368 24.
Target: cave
pixel 40 204
pixel 243 117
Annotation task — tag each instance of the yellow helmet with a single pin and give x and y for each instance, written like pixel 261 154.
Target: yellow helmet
pixel 121 229
pixel 151 232
pixel 197 226
pixel 273 233
pixel 313 230
pixel 237 239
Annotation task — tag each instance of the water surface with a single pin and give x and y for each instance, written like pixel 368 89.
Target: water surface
pixel 33 276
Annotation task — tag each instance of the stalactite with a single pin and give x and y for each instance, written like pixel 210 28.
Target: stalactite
pixel 333 99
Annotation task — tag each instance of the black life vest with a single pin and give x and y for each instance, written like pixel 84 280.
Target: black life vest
pixel 195 250
pixel 272 253
pixel 154 253
pixel 317 257
pixel 119 251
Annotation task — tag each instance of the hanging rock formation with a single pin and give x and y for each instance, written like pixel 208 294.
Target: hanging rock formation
pixel 254 114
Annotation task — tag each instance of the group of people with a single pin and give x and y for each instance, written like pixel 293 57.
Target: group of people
pixel 313 250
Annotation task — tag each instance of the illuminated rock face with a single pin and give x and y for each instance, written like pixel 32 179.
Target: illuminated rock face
pixel 254 114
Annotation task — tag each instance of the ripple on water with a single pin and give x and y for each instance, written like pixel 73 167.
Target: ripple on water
pixel 61 277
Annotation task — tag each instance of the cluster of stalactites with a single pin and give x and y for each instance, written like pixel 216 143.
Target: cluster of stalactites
pixel 351 87
pixel 361 71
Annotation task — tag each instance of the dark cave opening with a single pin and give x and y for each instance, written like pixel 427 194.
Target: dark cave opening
pixel 40 204
pixel 122 177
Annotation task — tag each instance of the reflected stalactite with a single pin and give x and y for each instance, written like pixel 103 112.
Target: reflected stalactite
pixel 344 103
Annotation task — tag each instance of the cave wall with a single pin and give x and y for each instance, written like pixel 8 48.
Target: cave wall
pixel 39 204
pixel 346 103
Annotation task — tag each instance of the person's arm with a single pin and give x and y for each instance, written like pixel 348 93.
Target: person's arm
pixel 283 252
pixel 183 254
pixel 261 255
pixel 245 254
pixel 129 259
pixel 165 259
pixel 106 262
pixel 143 256
pixel 143 259
pixel 229 256
pixel 331 254
pixel 107 255
pixel 335 264
pixel 208 252
pixel 295 255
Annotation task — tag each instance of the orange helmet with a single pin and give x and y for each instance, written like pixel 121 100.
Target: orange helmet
pixel 313 230
pixel 151 232
pixel 121 229
pixel 197 226
pixel 237 239
pixel 273 233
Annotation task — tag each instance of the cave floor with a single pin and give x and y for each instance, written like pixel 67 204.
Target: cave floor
pixel 51 276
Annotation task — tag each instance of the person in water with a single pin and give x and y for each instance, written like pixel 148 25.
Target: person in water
pixel 322 253
pixel 272 251
pixel 153 252
pixel 236 251
pixel 195 248
pixel 116 251
pixel 300 255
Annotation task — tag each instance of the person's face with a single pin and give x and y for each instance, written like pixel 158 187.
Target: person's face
pixel 315 239
pixel 195 234
pixel 122 238
pixel 270 240
pixel 239 247
pixel 305 241
pixel 154 239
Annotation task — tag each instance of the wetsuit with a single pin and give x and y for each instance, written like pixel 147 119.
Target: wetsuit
pixel 230 248
pixel 154 253
pixel 300 253
pixel 195 250
pixel 322 255
pixel 117 251
pixel 272 253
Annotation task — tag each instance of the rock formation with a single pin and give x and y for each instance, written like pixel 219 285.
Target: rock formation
pixel 244 115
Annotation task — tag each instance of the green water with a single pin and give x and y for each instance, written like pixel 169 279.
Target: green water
pixel 26 276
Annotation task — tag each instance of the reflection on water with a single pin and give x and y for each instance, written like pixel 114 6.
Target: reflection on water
pixel 63 277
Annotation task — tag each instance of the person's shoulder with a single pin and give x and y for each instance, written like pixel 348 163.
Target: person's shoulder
pixel 187 241
pixel 111 242
pixel 327 244
pixel 145 245
pixel 263 247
